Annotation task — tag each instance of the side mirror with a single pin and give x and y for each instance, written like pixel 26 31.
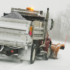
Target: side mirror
pixel 52 23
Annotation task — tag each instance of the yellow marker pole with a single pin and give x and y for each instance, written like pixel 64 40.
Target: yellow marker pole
pixel 66 38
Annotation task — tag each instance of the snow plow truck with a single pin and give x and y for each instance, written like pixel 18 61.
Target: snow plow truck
pixel 24 29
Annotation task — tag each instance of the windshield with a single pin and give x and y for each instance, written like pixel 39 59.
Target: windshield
pixel 33 18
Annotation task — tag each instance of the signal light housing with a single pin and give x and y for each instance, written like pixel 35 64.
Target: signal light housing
pixel 30 33
pixel 30 8
pixel 30 30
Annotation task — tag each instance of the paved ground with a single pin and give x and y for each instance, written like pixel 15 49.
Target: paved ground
pixel 62 63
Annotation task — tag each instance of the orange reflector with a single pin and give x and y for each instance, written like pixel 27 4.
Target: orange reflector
pixel 31 28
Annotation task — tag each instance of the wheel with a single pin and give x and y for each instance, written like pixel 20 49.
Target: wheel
pixel 47 55
pixel 33 53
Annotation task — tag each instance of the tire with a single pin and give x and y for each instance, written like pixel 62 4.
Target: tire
pixel 47 55
pixel 33 53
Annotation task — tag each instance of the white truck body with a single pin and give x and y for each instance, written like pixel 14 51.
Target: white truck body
pixel 23 28
pixel 14 32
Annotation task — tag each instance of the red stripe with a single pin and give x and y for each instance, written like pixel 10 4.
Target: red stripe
pixel 66 38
